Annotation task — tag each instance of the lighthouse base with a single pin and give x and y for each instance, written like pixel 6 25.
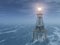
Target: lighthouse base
pixel 39 35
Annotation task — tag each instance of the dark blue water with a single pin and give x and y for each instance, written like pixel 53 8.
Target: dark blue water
pixel 22 34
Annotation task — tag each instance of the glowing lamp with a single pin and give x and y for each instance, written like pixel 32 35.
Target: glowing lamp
pixel 39 9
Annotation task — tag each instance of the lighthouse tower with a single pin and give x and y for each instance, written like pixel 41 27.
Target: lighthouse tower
pixel 39 33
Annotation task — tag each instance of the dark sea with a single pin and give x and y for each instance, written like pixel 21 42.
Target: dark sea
pixel 22 34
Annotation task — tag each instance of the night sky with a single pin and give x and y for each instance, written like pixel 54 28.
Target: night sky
pixel 22 11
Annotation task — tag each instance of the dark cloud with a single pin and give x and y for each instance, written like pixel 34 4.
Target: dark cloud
pixel 14 5
pixel 13 8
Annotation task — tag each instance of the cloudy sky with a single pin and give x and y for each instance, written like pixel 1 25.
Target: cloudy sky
pixel 22 11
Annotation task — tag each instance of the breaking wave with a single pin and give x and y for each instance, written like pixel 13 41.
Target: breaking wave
pixel 54 38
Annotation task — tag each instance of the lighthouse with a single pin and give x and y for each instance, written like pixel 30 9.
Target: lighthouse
pixel 39 33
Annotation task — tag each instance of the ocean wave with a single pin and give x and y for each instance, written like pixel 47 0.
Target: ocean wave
pixel 2 40
pixel 55 37
pixel 8 32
